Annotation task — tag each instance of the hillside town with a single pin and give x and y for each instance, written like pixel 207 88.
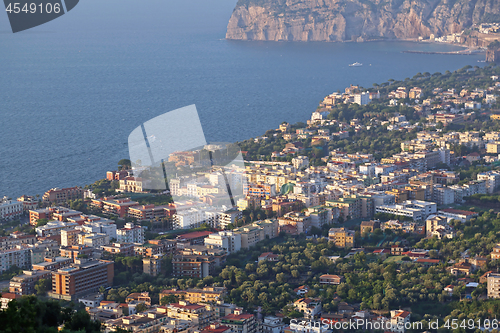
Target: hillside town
pixel 317 234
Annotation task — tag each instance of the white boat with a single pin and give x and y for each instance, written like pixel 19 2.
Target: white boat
pixel 356 64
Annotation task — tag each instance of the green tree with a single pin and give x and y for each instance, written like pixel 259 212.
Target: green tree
pixel 42 286
pixel 141 307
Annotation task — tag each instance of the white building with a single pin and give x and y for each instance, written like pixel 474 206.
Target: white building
pixel 19 256
pixel 54 228
pixel 272 324
pixel 416 209
pixel 310 307
pixel 399 318
pixel 103 226
pixel 444 155
pixel 189 218
pixel 318 116
pixel 474 187
pixel 472 105
pixel 438 226
pixel 229 217
pixel 491 179
pixel 10 209
pixel 493 285
pixel 367 169
pixel 362 98
pixel 443 195
pixel 130 234
pixel 300 162
pixel 226 240
pixel 95 240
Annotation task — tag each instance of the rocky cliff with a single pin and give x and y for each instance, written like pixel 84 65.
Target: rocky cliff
pixel 341 20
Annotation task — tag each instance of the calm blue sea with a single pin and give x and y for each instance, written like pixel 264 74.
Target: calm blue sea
pixel 73 89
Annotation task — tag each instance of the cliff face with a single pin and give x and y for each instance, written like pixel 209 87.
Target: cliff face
pixel 340 20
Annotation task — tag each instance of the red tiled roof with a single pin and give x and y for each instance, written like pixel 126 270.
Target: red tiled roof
pixel 188 306
pixel 195 234
pixel 233 316
pixel 10 296
pixel 435 261
pixel 219 329
pixel 402 314
pixel 458 211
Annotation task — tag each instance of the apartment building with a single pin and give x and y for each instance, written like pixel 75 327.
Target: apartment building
pixel 61 195
pixel 18 256
pixel 438 226
pixel 199 314
pixel 269 227
pixel 156 247
pixel 29 202
pixel 151 212
pixel 127 249
pixel 226 240
pixel 95 224
pixel 16 238
pixel 349 208
pixel 416 209
pixel 75 250
pixel 491 179
pixel 443 195
pixel 191 265
pixel 24 284
pixel 152 265
pixel 130 234
pixel 205 295
pixel 369 226
pixel 250 235
pixel 70 237
pixel 229 217
pixel 341 237
pixel 493 282
pixel 95 240
pixel 495 253
pixel 493 147
pixel 54 228
pixel 310 307
pixel 52 213
pixel 113 206
pixel 297 219
pixel 241 323
pixel 10 209
pixel 189 218
pixel 80 278
pixel 52 264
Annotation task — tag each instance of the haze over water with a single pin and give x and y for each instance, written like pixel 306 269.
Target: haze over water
pixel 73 89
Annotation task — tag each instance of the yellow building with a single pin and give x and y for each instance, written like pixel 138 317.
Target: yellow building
pixel 495 116
pixel 250 235
pixel 199 314
pixel 399 194
pixel 342 237
pixel 204 190
pixel 270 227
pixel 493 148
pixel 205 295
